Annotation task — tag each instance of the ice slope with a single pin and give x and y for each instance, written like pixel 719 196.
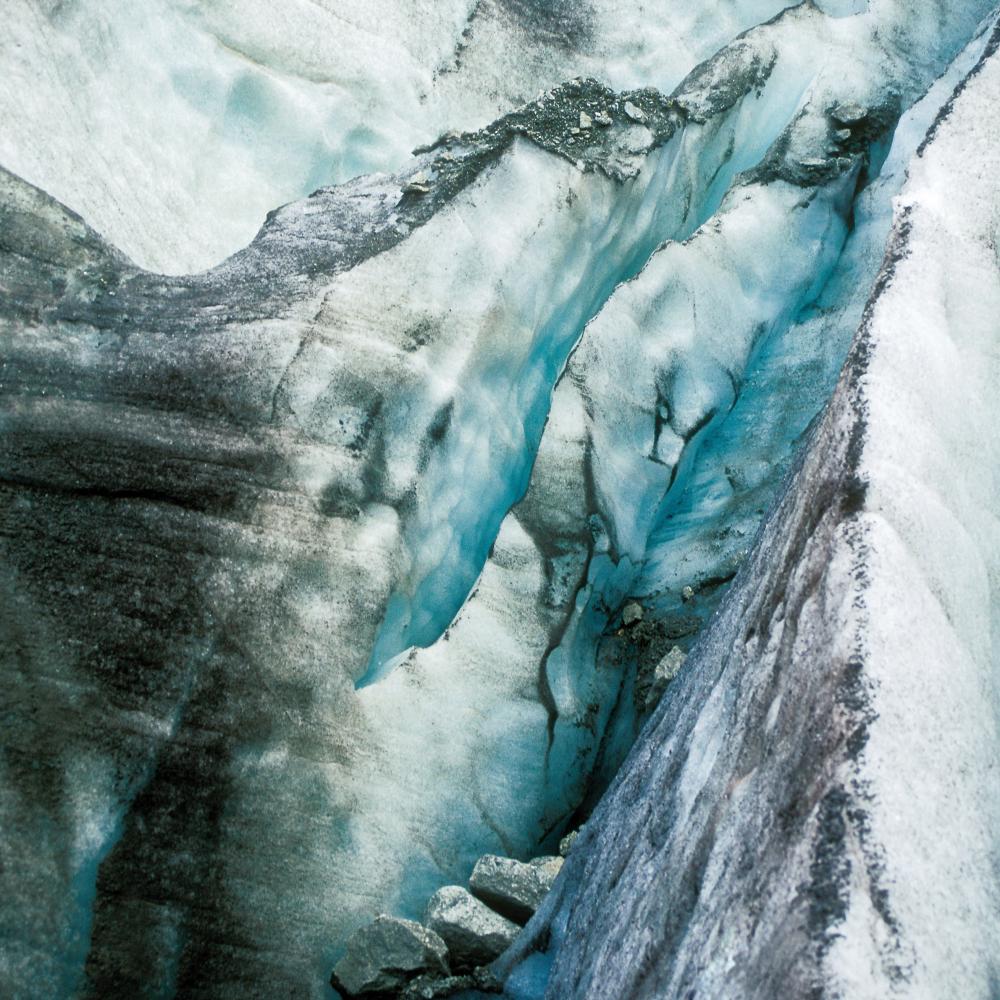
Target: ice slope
pixel 175 126
pixel 811 811
pixel 659 371
pixel 517 665
pixel 229 498
pixel 525 704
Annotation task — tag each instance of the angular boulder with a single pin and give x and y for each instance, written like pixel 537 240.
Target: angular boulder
pixel 635 113
pixel 383 956
pixel 475 934
pixel 547 867
pixel 849 114
pixel 514 889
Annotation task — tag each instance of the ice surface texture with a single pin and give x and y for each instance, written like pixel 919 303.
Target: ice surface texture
pixel 308 559
pixel 174 129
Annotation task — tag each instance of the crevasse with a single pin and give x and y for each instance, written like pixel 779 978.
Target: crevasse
pixel 811 814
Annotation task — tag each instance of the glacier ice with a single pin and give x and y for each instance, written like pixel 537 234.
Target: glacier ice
pixel 314 561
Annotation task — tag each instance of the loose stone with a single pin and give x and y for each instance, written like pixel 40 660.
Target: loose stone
pixel 632 614
pixel 566 844
pixel 635 113
pixel 666 670
pixel 475 934
pixel 383 956
pixel 419 183
pixel 513 888
pixel 430 987
pixel 849 114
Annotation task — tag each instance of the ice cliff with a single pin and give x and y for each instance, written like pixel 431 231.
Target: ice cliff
pixel 314 563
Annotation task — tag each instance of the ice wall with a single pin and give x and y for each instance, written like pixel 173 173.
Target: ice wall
pixel 211 485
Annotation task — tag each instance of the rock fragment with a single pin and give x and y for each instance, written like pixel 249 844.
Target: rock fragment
pixel 635 113
pixel 513 888
pixel 585 120
pixel 687 594
pixel 632 614
pixel 566 844
pixel 669 667
pixel 430 987
pixel 849 114
pixel 475 934
pixel 419 183
pixel 666 670
pixel 383 956
pixel 603 119
pixel 549 867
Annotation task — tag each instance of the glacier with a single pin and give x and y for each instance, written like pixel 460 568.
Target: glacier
pixel 316 542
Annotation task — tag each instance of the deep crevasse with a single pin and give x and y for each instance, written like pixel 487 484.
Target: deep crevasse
pixel 556 577
pixel 467 488
pixel 823 818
